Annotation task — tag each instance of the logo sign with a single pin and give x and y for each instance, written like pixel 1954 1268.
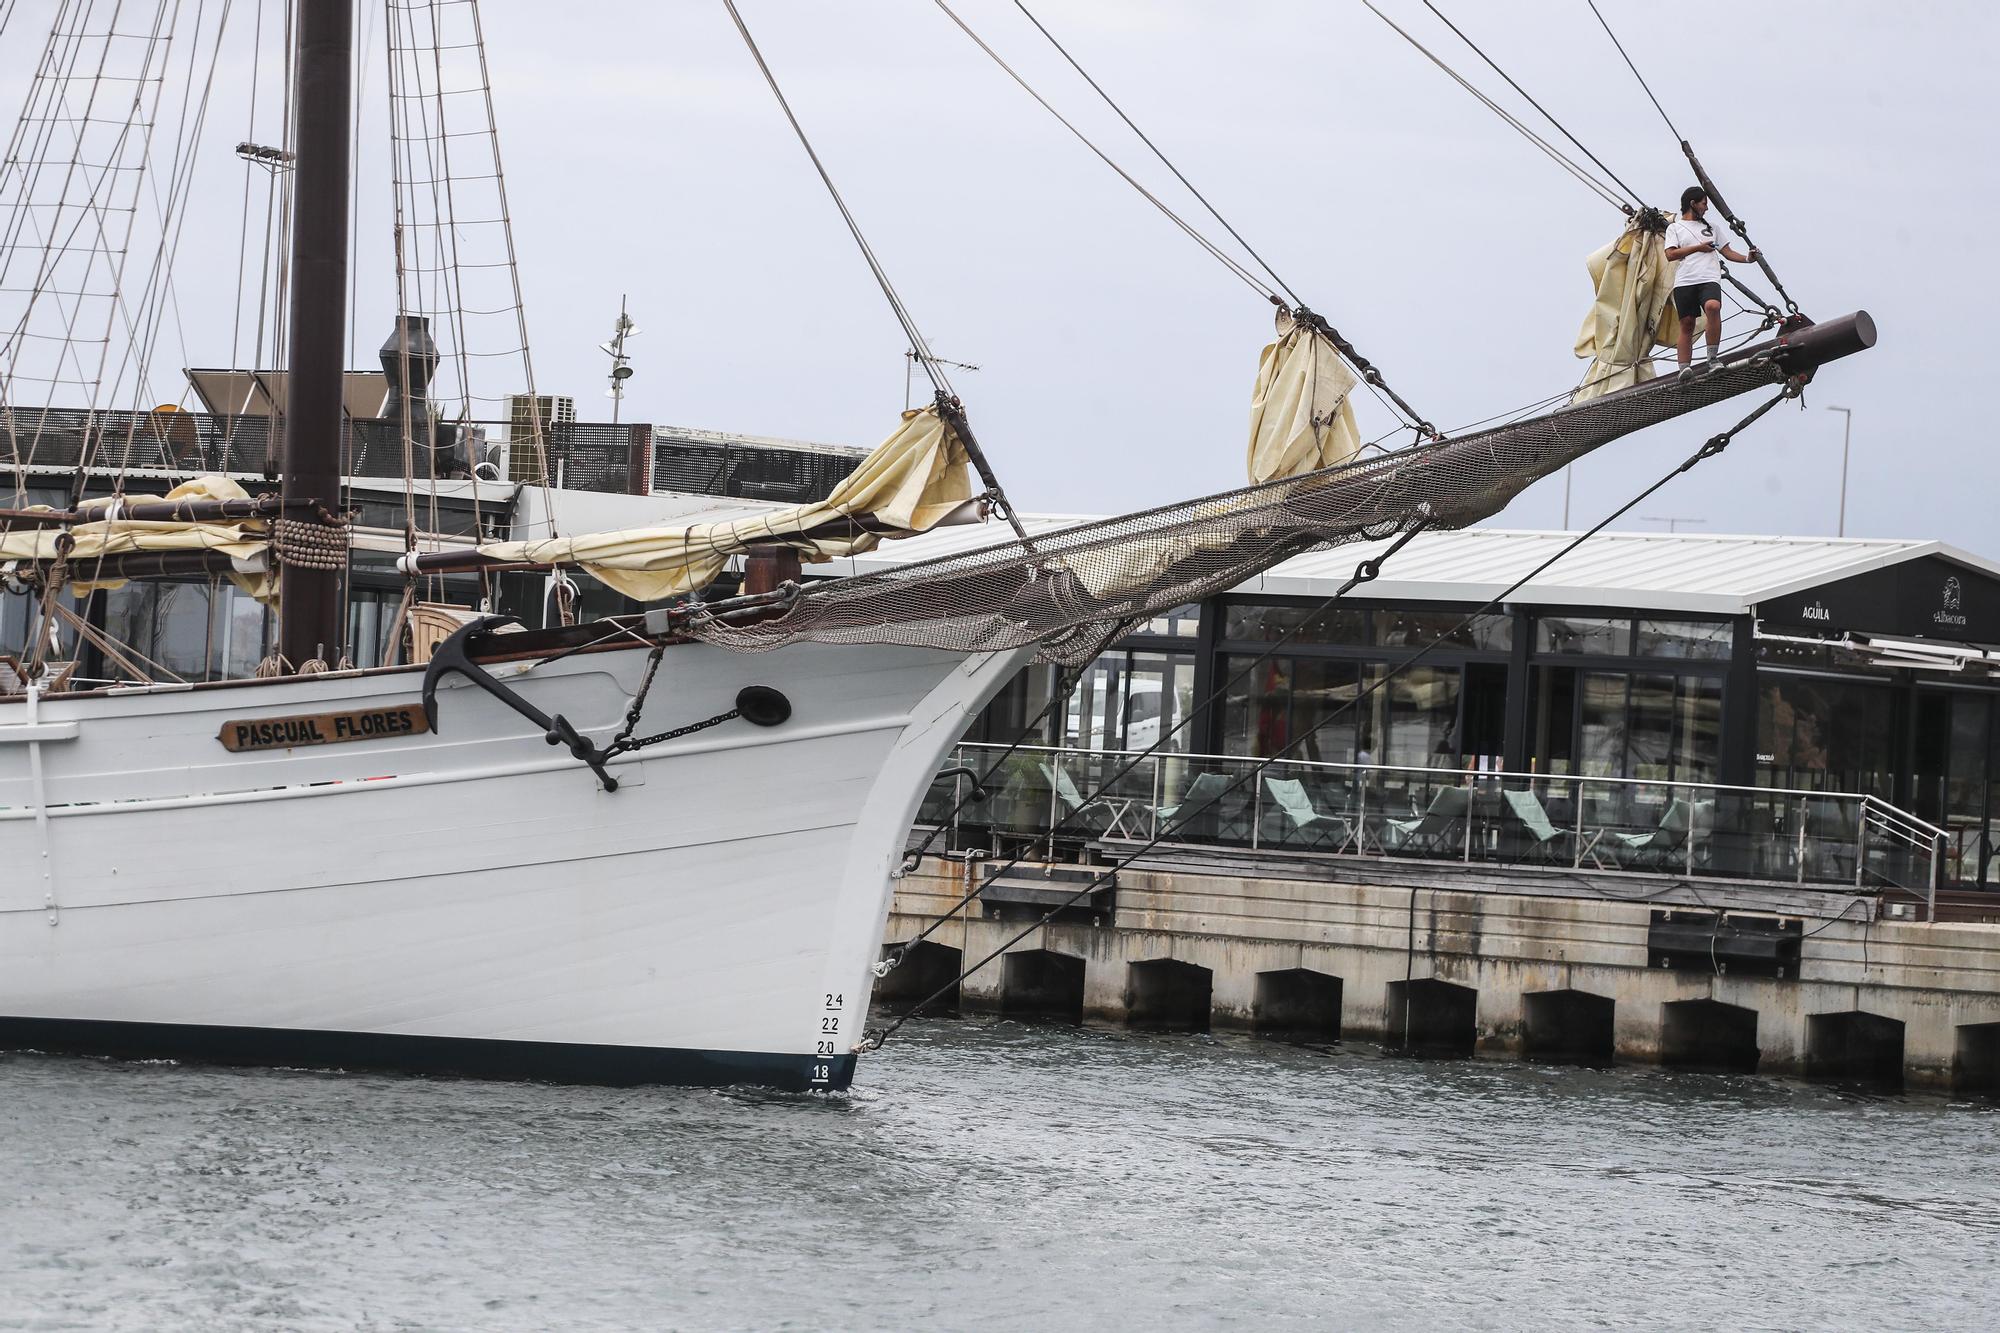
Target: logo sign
pixel 1954 600
pixel 286 733
pixel 1817 611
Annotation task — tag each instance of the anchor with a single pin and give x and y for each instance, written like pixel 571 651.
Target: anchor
pixel 451 658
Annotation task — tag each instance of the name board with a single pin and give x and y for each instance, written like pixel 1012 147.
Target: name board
pixel 285 733
pixel 1925 598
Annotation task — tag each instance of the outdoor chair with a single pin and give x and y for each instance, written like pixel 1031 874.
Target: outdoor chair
pixel 1436 829
pixel 1537 836
pixel 1660 848
pixel 1198 814
pixel 1292 819
pixel 1100 816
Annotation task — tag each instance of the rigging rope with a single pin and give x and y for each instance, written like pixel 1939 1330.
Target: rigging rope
pixel 1194 233
pixel 1736 224
pixel 1634 68
pixel 1714 445
pixel 1367 371
pixel 947 399
pixel 1603 191
pixel 1144 138
pixel 1630 193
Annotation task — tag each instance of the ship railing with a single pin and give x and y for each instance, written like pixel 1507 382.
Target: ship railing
pixel 1069 804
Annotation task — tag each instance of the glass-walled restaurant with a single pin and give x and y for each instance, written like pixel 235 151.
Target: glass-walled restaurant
pixel 1624 712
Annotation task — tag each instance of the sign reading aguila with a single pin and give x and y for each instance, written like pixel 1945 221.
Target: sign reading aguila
pixel 283 733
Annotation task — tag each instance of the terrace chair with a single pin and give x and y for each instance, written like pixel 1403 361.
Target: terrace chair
pixel 1435 829
pixel 1658 849
pixel 1540 839
pixel 1197 813
pixel 1100 816
pixel 1298 821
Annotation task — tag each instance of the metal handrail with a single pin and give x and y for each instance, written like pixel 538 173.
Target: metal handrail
pixel 1460 775
pixel 1869 812
pixel 1897 822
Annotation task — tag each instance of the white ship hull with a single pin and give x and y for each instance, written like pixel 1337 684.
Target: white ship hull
pixel 472 901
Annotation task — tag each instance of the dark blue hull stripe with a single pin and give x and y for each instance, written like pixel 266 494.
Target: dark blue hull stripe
pixel 464 1057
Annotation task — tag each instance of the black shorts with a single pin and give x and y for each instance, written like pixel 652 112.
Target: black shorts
pixel 1690 299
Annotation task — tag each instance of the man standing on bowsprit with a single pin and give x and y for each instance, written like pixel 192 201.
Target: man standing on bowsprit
pixel 1698 280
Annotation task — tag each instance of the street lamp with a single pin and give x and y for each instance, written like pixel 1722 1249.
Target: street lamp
pixel 1846 429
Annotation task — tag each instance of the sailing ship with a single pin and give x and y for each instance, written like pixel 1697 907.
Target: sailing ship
pixel 648 848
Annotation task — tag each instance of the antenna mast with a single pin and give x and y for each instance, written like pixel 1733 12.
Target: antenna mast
pixel 621 364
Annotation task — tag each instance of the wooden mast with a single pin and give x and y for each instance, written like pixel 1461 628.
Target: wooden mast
pixel 312 613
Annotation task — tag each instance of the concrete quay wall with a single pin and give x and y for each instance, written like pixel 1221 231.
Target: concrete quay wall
pixel 1459 969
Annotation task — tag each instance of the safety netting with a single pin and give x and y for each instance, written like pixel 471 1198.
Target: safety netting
pixel 1074 590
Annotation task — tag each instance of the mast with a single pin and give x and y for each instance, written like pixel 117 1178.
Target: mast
pixel 312 615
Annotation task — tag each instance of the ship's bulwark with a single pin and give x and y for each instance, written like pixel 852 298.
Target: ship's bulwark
pixel 485 908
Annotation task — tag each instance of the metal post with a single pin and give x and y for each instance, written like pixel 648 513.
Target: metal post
pixel 1470 793
pixel 1687 857
pixel 312 621
pixel 1576 838
pixel 1937 867
pixel 1055 784
pixel 1861 844
pixel 1256 809
pixel 952 839
pixel 1846 429
pixel 1800 852
pixel 1154 808
pixel 1361 815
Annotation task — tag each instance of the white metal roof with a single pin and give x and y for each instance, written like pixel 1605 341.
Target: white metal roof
pixel 1702 574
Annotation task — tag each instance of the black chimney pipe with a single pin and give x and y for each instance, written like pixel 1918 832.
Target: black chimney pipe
pixel 312 617
pixel 410 346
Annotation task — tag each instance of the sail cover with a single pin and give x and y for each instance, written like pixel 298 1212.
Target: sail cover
pixel 1633 280
pixel 1301 419
pixel 912 481
pixel 245 542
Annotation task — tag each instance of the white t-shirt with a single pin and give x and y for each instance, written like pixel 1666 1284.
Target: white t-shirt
pixel 1703 265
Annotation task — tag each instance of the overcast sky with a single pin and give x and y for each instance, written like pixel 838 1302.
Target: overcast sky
pixel 646 158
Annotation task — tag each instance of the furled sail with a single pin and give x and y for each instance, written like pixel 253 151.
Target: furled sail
pixel 912 481
pixel 1077 588
pixel 1633 280
pixel 245 542
pixel 1301 419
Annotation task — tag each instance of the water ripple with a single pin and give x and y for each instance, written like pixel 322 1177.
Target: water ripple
pixel 992 1176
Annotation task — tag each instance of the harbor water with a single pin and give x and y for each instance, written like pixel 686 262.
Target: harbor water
pixel 995 1176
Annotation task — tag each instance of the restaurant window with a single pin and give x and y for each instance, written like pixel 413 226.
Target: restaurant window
pixel 1649 726
pixel 1694 640
pixel 1422 718
pixel 1825 735
pixel 1955 751
pixel 1420 629
pixel 1264 624
pixel 16 613
pixel 1323 714
pixel 1583 637
pixel 1019 702
pixel 1131 701
pixel 1180 622
pixel 1256 710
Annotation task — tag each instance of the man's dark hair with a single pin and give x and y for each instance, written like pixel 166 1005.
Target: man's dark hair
pixel 1691 195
